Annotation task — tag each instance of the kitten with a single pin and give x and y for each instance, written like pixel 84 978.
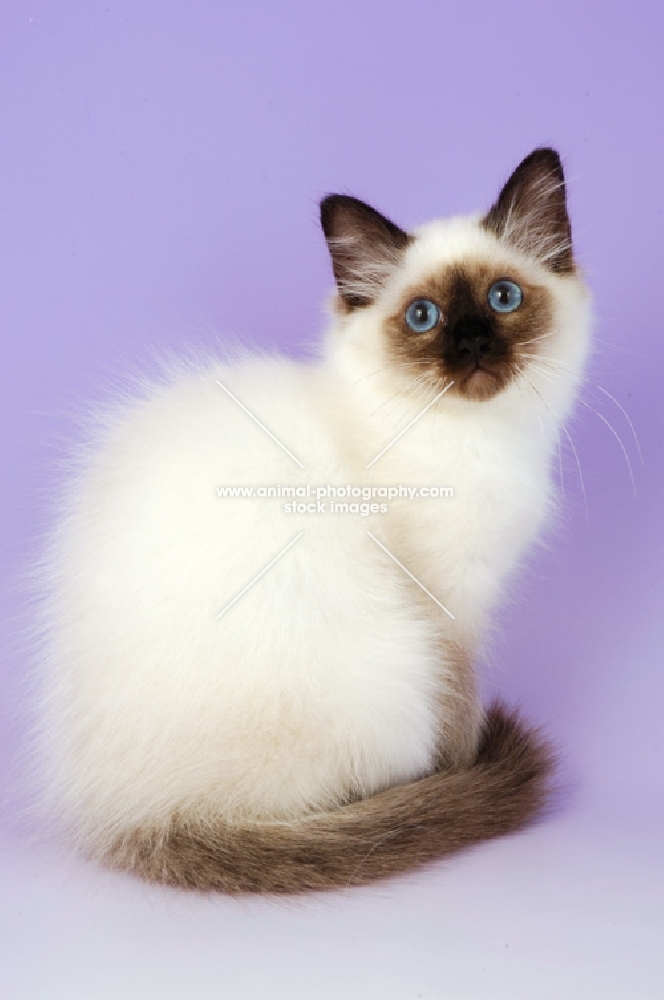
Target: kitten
pixel 245 697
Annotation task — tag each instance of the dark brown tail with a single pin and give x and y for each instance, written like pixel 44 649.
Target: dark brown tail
pixel 393 831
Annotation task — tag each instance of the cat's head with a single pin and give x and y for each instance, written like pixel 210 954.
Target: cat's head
pixel 486 302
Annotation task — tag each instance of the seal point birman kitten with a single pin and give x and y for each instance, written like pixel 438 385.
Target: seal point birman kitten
pixel 242 695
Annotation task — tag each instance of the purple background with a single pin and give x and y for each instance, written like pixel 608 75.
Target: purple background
pixel 160 167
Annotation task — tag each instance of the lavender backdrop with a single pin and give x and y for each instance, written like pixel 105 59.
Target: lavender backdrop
pixel 160 167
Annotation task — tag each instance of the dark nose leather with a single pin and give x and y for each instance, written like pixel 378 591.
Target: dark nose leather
pixel 473 344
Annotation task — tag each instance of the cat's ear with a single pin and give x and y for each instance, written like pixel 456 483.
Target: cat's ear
pixel 531 212
pixel 365 247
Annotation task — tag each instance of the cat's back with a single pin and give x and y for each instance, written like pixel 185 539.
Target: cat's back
pixel 188 626
pixel 181 494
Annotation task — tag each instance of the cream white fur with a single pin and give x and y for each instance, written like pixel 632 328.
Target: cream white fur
pixel 326 679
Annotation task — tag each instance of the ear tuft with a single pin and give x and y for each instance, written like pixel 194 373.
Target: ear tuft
pixel 365 247
pixel 531 212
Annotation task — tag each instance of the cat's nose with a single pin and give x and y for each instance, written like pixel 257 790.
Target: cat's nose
pixel 473 344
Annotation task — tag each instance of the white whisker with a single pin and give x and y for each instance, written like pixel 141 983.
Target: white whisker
pixel 393 366
pixel 568 436
pixel 545 375
pixel 562 368
pixel 626 416
pixel 578 465
pixel 548 361
pixel 616 436
pixel 560 465
pixel 401 393
pixel 534 339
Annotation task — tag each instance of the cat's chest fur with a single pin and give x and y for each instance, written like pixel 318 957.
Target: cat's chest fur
pixel 492 475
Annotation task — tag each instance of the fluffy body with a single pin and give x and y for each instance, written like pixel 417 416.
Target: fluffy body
pixel 334 678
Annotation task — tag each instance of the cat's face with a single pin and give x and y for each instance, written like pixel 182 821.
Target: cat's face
pixel 468 301
pixel 465 323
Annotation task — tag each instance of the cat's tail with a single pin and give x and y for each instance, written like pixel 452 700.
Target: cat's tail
pixel 392 831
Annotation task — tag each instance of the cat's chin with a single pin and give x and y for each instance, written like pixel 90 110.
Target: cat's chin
pixel 480 384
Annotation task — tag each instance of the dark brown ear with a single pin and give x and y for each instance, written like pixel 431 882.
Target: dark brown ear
pixel 531 212
pixel 365 247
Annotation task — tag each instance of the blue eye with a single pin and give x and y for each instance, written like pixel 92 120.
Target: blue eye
pixel 505 296
pixel 422 315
